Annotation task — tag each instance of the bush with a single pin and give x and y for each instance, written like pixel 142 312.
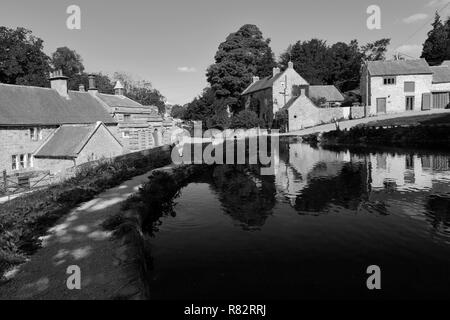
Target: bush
pixel 246 119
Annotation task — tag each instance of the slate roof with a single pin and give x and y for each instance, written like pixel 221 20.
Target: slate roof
pixel 118 101
pixel 68 141
pixel 262 84
pixel 398 67
pixel 331 93
pixel 21 105
pixel 441 74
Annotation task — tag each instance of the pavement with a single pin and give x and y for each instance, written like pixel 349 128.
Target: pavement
pixel 352 123
pixel 78 240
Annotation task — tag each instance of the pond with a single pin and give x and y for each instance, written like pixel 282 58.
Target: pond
pixel 311 229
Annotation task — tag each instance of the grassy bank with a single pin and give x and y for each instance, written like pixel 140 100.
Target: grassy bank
pixel 25 219
pixel 428 137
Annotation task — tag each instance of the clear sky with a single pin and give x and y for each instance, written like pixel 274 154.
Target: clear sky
pixel 171 43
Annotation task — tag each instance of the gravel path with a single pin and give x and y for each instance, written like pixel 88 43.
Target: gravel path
pixel 79 240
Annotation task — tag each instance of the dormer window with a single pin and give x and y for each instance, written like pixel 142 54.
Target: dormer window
pixel 126 117
pixel 389 81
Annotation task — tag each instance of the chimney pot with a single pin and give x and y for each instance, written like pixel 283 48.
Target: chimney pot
pixel 92 87
pixel 255 78
pixel 276 71
pixel 58 82
pixel 81 88
pixel 290 65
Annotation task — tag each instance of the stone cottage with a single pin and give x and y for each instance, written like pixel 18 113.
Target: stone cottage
pixel 33 119
pixel 268 95
pixel 288 91
pixel 140 127
pixel 404 85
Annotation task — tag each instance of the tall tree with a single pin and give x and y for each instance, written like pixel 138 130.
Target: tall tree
pixel 435 47
pixel 244 54
pixel 67 60
pixel 22 60
pixel 344 65
pixel 310 58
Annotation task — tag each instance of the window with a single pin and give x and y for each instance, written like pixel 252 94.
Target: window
pixel 35 134
pixel 22 162
pixel 410 103
pixel 410 86
pixel 126 117
pixel 30 161
pixel 14 162
pixel 126 134
pixel 389 81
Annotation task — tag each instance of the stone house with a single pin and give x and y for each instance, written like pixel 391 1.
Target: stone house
pixel 140 127
pixel 32 117
pixel 268 95
pixel 404 85
pixel 303 112
pixel 288 91
pixel 71 145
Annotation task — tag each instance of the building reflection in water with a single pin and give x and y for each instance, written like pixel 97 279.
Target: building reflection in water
pixel 318 181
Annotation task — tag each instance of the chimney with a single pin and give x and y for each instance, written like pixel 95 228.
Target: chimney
pixel 300 90
pixel 255 79
pixel 58 82
pixel 119 89
pixel 290 65
pixel 276 71
pixel 81 88
pixel 92 87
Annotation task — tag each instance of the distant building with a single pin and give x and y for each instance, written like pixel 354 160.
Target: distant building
pixel 404 85
pixel 53 128
pixel 307 105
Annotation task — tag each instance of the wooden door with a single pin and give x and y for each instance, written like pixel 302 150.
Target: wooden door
pixel 381 105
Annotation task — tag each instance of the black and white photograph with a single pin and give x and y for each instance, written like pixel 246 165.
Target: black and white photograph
pixel 222 156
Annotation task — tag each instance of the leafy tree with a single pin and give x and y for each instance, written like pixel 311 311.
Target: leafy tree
pixel 177 112
pixel 69 61
pixel 244 54
pixel 246 119
pixel 141 91
pixel 436 46
pixel 375 50
pixel 310 58
pixel 22 60
pixel 344 65
pixel 202 107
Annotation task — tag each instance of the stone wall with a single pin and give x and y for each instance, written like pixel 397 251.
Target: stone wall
pixel 16 141
pixel 395 94
pixel 357 112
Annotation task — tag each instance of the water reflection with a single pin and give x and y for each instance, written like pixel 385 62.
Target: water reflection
pixel 314 180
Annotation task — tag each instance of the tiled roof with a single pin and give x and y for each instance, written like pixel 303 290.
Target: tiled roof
pixel 262 84
pixel 441 74
pixel 398 67
pixel 67 141
pixel 118 101
pixel 331 93
pixel 21 105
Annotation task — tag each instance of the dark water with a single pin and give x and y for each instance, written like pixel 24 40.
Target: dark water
pixel 311 230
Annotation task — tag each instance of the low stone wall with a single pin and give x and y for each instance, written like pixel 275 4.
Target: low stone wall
pixel 328 115
pixel 357 112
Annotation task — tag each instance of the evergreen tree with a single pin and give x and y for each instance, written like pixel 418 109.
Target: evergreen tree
pixel 244 54
pixel 435 47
